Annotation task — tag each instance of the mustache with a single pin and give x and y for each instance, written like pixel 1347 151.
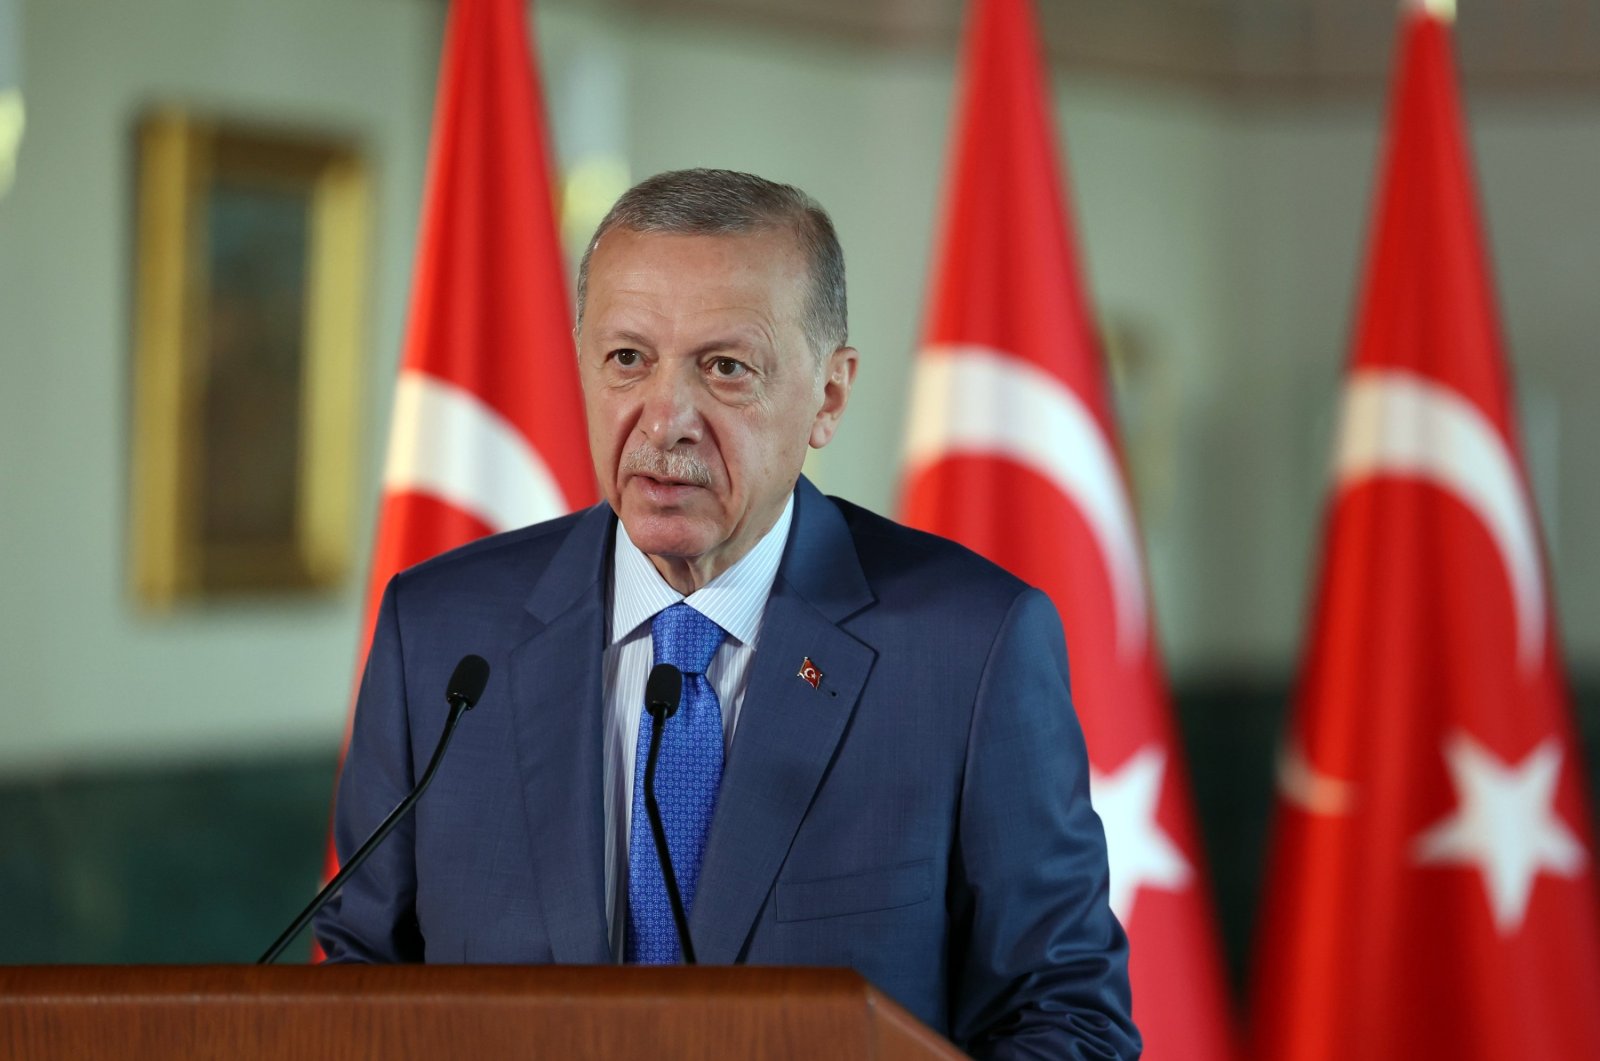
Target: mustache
pixel 676 465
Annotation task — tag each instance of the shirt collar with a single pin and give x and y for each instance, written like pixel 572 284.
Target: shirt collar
pixel 735 600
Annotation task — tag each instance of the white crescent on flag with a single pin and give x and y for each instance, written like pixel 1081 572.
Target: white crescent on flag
pixel 447 443
pixel 1402 424
pixel 975 400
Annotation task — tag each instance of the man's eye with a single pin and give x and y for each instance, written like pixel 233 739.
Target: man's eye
pixel 625 358
pixel 728 368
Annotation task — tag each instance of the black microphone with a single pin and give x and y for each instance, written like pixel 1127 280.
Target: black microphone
pixel 465 688
pixel 662 691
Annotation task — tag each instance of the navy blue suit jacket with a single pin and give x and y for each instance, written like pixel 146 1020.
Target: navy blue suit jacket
pixel 922 816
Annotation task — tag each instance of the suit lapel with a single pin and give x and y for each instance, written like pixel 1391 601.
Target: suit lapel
pixel 558 727
pixel 787 731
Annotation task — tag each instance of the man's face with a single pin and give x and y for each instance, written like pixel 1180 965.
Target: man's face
pixel 701 390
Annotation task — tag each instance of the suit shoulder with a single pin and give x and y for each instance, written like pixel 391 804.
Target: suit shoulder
pixel 893 555
pixel 494 557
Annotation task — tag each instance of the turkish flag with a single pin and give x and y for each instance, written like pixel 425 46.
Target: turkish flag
pixel 487 432
pixel 1431 889
pixel 1013 452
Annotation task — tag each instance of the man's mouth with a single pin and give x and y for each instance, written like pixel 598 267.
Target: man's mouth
pixel 663 490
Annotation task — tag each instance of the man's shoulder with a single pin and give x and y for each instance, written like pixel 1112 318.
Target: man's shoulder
pixel 505 561
pixel 897 558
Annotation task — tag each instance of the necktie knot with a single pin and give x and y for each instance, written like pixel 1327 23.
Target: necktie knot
pixel 684 638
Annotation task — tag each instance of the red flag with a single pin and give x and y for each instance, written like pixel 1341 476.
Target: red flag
pixel 1013 452
pixel 487 431
pixel 1431 892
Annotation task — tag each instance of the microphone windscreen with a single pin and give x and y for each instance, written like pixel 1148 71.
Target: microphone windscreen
pixel 467 683
pixel 663 689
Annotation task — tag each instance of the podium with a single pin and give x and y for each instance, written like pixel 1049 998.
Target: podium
pixel 437 1013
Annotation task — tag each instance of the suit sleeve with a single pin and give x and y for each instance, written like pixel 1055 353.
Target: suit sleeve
pixel 373 919
pixel 1040 964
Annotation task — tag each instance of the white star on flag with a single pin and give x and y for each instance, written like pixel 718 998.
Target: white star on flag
pixel 1505 825
pixel 1140 852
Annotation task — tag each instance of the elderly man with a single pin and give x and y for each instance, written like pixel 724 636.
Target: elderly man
pixel 875 763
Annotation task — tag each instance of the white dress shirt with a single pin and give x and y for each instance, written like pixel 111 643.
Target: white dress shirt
pixel 735 600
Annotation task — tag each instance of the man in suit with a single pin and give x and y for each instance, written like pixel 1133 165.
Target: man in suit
pixel 875 763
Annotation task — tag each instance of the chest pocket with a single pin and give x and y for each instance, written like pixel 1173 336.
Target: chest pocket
pixel 857 893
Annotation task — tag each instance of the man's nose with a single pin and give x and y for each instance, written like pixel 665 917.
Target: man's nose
pixel 671 415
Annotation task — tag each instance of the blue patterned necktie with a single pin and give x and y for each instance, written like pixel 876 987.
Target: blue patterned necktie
pixel 688 773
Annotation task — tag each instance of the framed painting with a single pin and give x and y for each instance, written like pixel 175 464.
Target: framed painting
pixel 249 328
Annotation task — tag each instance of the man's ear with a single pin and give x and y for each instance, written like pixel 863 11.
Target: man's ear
pixel 838 375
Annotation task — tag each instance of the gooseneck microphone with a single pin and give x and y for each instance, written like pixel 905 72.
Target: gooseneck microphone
pixel 662 691
pixel 465 688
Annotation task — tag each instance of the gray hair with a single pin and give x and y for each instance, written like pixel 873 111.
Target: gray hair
pixel 720 202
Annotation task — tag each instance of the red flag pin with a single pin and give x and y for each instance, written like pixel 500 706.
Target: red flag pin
pixel 809 672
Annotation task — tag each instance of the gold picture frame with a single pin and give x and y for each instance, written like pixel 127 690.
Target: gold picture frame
pixel 249 331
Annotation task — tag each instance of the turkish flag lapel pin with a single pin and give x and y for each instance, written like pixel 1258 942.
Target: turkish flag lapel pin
pixel 809 673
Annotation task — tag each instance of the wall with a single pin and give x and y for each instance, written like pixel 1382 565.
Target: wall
pixel 88 677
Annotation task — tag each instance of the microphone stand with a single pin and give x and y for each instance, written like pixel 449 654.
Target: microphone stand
pixel 659 714
pixel 458 706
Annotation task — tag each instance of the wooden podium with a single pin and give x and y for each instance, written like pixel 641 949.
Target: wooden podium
pixel 437 1013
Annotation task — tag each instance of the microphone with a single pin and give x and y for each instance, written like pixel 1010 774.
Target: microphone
pixel 464 690
pixel 662 691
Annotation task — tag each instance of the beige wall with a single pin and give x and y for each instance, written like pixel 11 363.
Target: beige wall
pixel 86 676
pixel 1222 236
